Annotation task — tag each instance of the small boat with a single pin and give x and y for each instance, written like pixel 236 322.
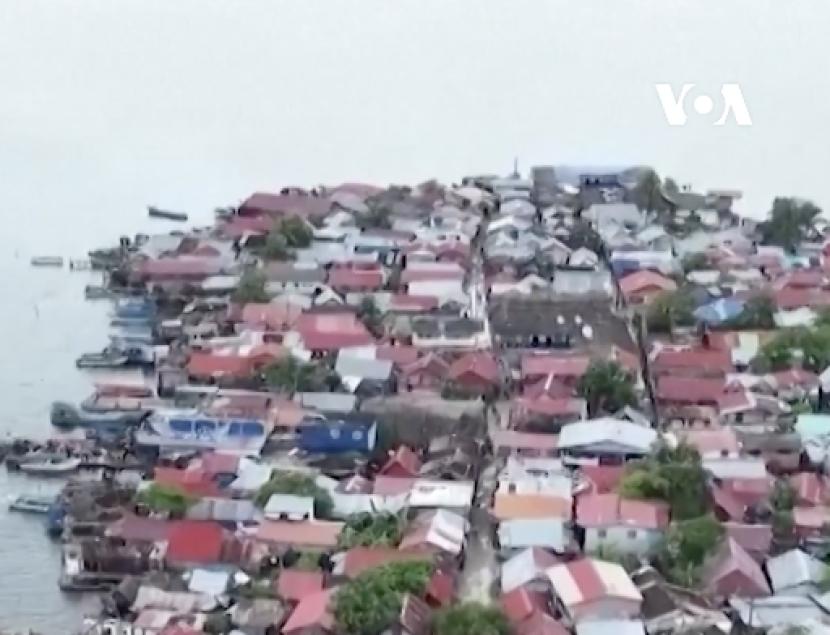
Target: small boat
pixel 32 504
pixel 155 212
pixel 104 359
pixel 47 261
pixel 55 519
pixel 67 416
pixel 80 264
pixel 54 466
pixel 97 292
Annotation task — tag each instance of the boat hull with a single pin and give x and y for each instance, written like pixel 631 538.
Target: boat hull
pixel 67 416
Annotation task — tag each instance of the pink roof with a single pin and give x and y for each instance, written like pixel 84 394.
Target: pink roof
pixel 139 529
pixel 403 460
pixel 275 316
pixel 645 280
pixel 814 518
pixel 348 279
pixel 603 478
pixel 418 275
pixel 541 624
pixel 610 510
pixel 723 441
pixel 185 267
pixel 482 365
pixel 307 533
pixel 732 571
pixel 399 354
pixel 332 331
pixel 516 440
pixel 211 365
pixel 547 386
pixel 363 190
pixel 542 365
pixel 295 585
pixel 521 603
pixel 392 486
pixel 441 588
pixel 802 278
pixel 550 407
pixel 689 390
pixel 219 463
pixel 314 610
pixel 753 538
pixel 701 360
pixel 728 503
pixel 191 481
pixel 736 401
pixel 416 303
pixel 809 488
pixel 238 226
pixel 428 364
pixel 795 377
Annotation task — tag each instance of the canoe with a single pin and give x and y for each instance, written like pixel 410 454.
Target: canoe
pixel 32 504
pixel 51 467
pixel 102 360
pixel 155 212
pixel 47 261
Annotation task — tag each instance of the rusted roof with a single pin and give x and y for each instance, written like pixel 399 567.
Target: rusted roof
pixel 195 541
pixel 543 365
pixel 360 559
pixel 519 604
pixel 309 533
pixel 513 506
pixel 482 365
pixel 645 280
pixel 610 510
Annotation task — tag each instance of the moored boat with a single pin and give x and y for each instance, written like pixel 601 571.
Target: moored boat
pixel 97 292
pixel 155 212
pixel 108 358
pixel 32 504
pixel 47 261
pixel 53 466
pixel 65 415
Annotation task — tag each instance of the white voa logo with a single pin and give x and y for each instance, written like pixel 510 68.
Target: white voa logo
pixel 674 106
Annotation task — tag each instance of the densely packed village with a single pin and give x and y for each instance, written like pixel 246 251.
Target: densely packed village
pixel 507 405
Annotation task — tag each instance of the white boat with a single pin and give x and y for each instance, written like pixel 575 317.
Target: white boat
pixel 52 466
pixel 32 504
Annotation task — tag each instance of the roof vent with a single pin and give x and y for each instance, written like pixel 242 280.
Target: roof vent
pixel 587 332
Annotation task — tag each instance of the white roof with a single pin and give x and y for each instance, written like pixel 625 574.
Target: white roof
pixel 349 365
pixel 607 432
pixel 208 582
pixel 794 568
pixel 293 507
pixel 722 467
pixel 534 532
pixel 251 475
pixel 519 570
pixel 437 493
pixel 610 627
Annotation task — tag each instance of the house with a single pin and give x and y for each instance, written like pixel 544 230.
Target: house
pixel 731 571
pixel 795 573
pixel 626 526
pixel 810 489
pixel 313 615
pixel 567 369
pixel 515 443
pixel 712 443
pixel 605 438
pixel 754 539
pixel 402 463
pixel 308 535
pixel 521 603
pixel 359 559
pixel 641 287
pixel 356 278
pixel 476 372
pixel 443 495
pixel 289 507
pixel 370 376
pixel 192 542
pixel 337 437
pixel 590 589
pixel 294 585
pixel 606 627
pixel 510 506
pixel 691 362
pixel 427 372
pixel 323 333
pixel 281 205
pixel 290 277
pixel 810 523
pixel 414 618
pixel 527 569
pixel 434 533
pixel 545 411
pixel 522 533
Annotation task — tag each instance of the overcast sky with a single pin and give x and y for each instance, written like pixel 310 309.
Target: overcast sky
pixel 192 103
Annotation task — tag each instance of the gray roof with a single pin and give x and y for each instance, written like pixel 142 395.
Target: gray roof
pixel 533 532
pixel 327 401
pixel 294 507
pixel 607 434
pixel 373 369
pixel 794 568
pixel 582 282
pixel 288 272
pixel 776 610
pixel 610 627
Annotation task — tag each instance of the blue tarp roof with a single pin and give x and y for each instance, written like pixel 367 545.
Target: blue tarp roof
pixel 719 310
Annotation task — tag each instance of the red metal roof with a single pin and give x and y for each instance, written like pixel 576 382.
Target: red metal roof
pixel 392 485
pixel 542 365
pixel 547 386
pixel 295 585
pixel 480 364
pixel 541 624
pixel 353 279
pixel 603 478
pixel 307 533
pixel 755 539
pixel 790 298
pixel 440 588
pixel 332 331
pixel 140 529
pixel 404 462
pixel 550 407
pixel 184 268
pixel 645 280
pixel 521 603
pixel 275 316
pixel 809 488
pixel 516 440
pixel 690 390
pixel 196 482
pixel 398 354
pixel 208 365
pixel 285 204
pixel 732 571
pixel 314 611
pixel 609 510
pixel 701 360
pixel 219 463
pixel 195 541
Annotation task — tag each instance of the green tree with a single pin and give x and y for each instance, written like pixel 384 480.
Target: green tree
pixel 695 262
pixel 670 310
pixel 606 387
pixel 296 232
pixel 757 313
pixel 166 499
pixel 583 235
pixel 686 546
pixel 297 484
pixel 378 216
pixel 251 287
pixel 789 222
pixel 276 246
pixel 291 375
pixel 648 193
pixel 782 497
pixel 372 601
pixel 674 475
pixel 368 530
pixel 471 618
pixel 370 315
